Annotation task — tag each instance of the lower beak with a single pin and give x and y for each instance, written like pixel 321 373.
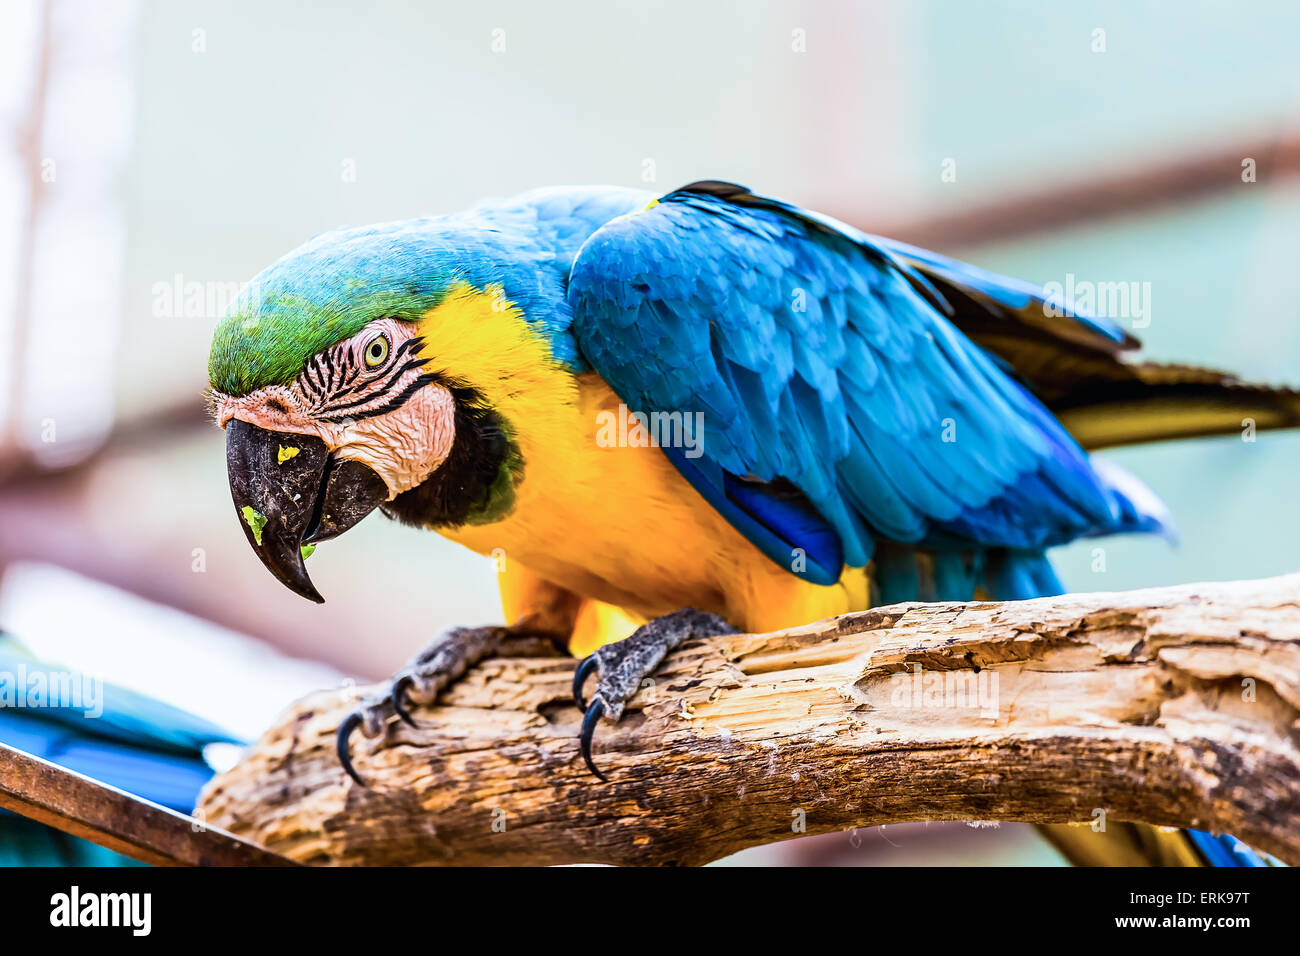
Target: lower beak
pixel 288 490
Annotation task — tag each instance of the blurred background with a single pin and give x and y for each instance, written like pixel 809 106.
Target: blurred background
pixel 155 155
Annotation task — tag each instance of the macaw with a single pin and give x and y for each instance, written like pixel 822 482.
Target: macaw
pixel 122 738
pixel 680 415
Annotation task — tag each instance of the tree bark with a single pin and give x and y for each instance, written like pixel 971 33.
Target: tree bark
pixel 1172 706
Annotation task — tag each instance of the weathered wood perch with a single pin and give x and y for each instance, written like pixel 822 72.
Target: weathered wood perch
pixel 1172 706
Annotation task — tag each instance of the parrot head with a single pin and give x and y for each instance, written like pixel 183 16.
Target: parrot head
pixel 330 405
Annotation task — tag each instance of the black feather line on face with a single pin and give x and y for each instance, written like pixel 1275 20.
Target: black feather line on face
pixel 318 373
pixel 406 347
pixel 350 370
pixel 309 385
pixel 396 402
pixel 329 370
pixel 413 363
pixel 468 484
pixel 332 410
pixel 348 384
pixel 350 387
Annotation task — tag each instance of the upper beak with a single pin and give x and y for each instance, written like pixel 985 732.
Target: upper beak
pixel 288 490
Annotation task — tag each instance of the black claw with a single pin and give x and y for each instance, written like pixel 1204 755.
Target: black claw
pixel 594 713
pixel 350 723
pixel 579 678
pixel 398 693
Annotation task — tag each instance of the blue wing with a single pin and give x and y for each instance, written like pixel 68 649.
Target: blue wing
pixel 842 408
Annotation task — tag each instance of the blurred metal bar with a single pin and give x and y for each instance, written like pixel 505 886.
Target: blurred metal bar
pixel 19 469
pixel 115 819
pixel 1129 190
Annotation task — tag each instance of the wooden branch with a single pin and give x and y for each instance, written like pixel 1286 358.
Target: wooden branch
pixel 1172 706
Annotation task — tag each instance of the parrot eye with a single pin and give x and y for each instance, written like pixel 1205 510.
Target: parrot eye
pixel 377 351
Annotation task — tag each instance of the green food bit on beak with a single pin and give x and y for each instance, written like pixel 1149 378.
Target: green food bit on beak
pixel 255 521
pixel 284 454
pixel 307 551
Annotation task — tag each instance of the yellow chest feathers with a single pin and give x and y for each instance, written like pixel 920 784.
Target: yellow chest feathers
pixel 598 510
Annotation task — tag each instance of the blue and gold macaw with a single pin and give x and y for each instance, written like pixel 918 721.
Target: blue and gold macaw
pixel 681 415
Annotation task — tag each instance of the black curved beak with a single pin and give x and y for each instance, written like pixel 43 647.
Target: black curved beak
pixel 289 491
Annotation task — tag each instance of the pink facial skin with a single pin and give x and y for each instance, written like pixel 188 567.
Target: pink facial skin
pixel 332 396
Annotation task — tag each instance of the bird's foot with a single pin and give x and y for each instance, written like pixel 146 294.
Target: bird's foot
pixel 441 663
pixel 624 664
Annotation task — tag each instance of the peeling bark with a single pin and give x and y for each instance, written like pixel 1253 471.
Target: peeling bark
pixel 1171 706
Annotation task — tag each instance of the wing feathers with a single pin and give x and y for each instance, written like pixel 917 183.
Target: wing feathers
pixel 824 361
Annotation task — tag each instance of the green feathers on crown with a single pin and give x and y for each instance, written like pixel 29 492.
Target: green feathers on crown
pixel 267 339
pixel 322 293
pixel 329 289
